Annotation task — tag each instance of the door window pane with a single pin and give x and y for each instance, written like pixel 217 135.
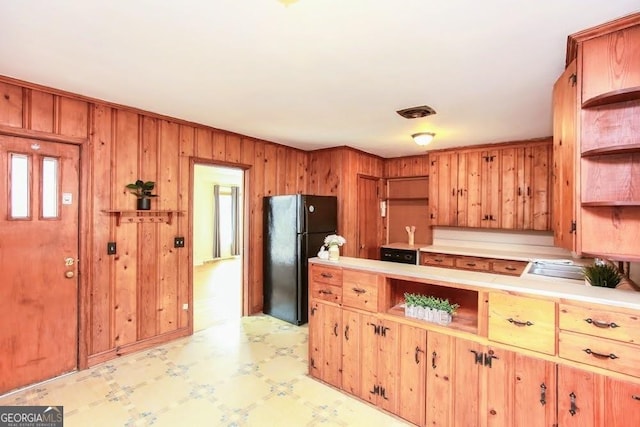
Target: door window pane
pixel 49 187
pixel 19 186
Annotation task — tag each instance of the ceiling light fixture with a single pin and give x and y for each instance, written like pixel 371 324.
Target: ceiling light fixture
pixel 423 138
pixel 287 2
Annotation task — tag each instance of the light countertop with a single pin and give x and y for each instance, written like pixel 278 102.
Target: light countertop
pixel 527 284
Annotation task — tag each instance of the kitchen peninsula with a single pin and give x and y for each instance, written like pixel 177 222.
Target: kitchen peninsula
pixel 523 351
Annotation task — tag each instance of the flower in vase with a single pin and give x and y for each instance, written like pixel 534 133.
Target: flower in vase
pixel 334 240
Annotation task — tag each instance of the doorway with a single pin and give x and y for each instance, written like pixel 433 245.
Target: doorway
pixel 39 189
pixel 218 193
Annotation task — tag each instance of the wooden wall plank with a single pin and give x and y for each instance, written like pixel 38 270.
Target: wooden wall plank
pixel 219 145
pixel 255 294
pixel 73 117
pixel 270 169
pixel 302 166
pixel 11 105
pixel 204 145
pixel 186 150
pixel 41 114
pixel 233 148
pixel 102 266
pixel 126 171
pixel 168 183
pixel 282 159
pixel 148 249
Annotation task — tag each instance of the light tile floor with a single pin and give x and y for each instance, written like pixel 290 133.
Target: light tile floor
pixel 246 372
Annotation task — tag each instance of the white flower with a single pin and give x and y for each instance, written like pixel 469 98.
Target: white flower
pixel 334 240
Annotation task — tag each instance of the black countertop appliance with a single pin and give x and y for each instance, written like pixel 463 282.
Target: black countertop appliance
pixel 295 227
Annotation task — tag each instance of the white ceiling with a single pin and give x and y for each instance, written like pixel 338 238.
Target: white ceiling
pixel 315 73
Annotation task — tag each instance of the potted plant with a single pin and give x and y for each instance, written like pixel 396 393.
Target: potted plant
pixel 602 274
pixel 143 191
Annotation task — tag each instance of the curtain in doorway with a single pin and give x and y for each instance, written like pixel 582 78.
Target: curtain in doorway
pixel 235 220
pixel 216 221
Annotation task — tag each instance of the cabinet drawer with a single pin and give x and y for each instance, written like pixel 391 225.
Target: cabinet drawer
pixel 471 263
pixel 328 275
pixel 607 354
pixel 360 290
pixel 522 322
pixel 514 268
pixel 326 292
pixel 600 323
pixel 437 260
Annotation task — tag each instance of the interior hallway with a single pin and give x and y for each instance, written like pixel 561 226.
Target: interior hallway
pixel 217 292
pixel 250 371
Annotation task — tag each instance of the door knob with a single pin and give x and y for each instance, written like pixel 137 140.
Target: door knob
pixel 69 274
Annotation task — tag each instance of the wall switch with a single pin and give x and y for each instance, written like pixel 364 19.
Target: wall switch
pixel 111 248
pixel 185 307
pixel 178 242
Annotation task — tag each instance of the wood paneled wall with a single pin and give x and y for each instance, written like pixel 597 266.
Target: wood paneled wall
pixel 335 172
pixel 403 167
pixel 134 299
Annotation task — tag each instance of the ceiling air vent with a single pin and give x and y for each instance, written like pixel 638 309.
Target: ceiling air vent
pixel 416 112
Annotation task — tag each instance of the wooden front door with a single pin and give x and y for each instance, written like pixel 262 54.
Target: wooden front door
pixel 38 260
pixel 368 214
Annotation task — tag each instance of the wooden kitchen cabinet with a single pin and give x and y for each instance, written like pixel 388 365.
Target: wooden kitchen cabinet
pixel 608 147
pixel 501 187
pixel 325 342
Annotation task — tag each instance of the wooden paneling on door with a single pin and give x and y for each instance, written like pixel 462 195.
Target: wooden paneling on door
pixel 39 189
pixel 368 217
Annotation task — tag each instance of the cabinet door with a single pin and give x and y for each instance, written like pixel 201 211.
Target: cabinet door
pixel 439 394
pixel 325 343
pixel 511 191
pixel 466 376
pixel 576 397
pixel 369 385
pixel 621 403
pixel 412 374
pixel 537 210
pixel 490 193
pixel 443 186
pixel 565 93
pixel 388 368
pixel 469 200
pixel 351 347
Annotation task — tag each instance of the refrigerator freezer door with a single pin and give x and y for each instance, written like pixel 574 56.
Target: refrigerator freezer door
pixel 318 214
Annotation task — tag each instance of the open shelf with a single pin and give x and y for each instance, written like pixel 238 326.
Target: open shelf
pixel 613 97
pixel 465 319
pixel 611 203
pixel 138 216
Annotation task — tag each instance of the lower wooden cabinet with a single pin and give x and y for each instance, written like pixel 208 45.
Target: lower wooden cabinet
pixel 586 399
pixel 325 342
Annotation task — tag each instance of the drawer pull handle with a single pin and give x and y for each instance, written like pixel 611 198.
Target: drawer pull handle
pixel 635 397
pixel 600 324
pixel 509 268
pixel 433 360
pixel 325 291
pixel 574 408
pixel 335 329
pixel 438 259
pixel 471 264
pixel 600 355
pixel 418 351
pixel 543 394
pixel 519 323
pixel 358 290
pixel 327 275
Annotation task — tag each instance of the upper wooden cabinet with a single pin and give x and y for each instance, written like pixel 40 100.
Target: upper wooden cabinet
pixel 506 187
pixel 608 147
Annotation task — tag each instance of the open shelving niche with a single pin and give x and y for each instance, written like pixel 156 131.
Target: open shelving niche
pixel 465 319
pixel 139 216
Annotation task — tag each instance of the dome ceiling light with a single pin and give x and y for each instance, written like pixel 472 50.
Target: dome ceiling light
pixel 423 138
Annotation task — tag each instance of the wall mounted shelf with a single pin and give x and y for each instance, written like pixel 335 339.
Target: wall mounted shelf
pixel 138 216
pixel 613 97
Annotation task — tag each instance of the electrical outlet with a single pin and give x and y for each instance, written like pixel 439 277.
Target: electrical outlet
pixel 111 248
pixel 185 307
pixel 178 242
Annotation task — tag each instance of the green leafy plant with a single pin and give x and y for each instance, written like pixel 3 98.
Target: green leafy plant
pixel 142 189
pixel 602 274
pixel 431 302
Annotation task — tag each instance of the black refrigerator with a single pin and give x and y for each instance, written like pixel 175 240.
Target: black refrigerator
pixel 294 230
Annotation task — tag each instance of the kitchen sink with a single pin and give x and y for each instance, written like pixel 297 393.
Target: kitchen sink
pixel 552 269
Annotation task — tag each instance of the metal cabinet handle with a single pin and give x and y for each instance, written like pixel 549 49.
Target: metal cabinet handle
pixel 438 259
pixel 573 410
pixel 601 324
pixel 600 355
pixel 509 268
pixel 335 329
pixel 471 264
pixel 519 323
pixel 635 397
pixel 358 290
pixel 418 350
pixel 325 291
pixel 488 358
pixel 433 360
pixel 478 356
pixel 543 394
pixel 326 275
pixel 346 333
